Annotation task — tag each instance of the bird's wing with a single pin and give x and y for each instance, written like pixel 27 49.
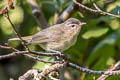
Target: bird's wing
pixel 39 37
pixel 47 35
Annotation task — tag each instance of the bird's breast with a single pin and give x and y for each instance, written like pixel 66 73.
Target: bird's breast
pixel 60 45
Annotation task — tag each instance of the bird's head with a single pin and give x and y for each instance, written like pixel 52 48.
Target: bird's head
pixel 73 25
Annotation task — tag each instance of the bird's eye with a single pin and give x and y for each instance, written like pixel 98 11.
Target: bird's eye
pixel 72 25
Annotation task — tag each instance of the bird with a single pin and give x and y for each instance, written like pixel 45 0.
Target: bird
pixel 56 38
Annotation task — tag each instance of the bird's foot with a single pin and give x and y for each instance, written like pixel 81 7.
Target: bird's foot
pixel 54 51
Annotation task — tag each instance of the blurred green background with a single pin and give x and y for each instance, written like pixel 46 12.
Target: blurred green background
pixel 97 47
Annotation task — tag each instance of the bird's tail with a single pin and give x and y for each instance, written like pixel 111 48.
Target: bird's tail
pixel 27 38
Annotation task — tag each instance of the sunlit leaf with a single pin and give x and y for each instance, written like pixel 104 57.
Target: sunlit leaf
pixel 51 3
pixel 101 56
pixel 41 65
pixel 93 0
pixel 113 8
pixel 110 40
pixel 104 48
pixel 27 7
pixel 115 24
pixel 94 33
pixel 16 17
pixel 38 65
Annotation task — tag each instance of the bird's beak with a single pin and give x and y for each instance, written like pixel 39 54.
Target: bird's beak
pixel 83 23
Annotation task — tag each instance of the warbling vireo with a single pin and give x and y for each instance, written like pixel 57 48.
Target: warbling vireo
pixel 58 37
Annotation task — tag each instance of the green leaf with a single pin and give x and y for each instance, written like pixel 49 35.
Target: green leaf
pixel 110 40
pixel 41 65
pixel 99 60
pixel 105 48
pixel 115 24
pixel 51 3
pixel 39 1
pixel 38 65
pixel 115 9
pixel 115 77
pixel 93 1
pixel 95 32
pixel 101 56
pixel 16 17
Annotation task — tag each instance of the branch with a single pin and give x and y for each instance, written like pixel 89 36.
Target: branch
pixel 23 43
pixel 48 54
pixel 7 47
pixel 103 77
pixel 50 69
pixel 74 66
pixel 29 75
pixel 97 9
pixel 5 12
pixel 45 72
pixel 16 32
pixel 38 15
pixel 37 74
pixel 11 54
pixel 9 6
pixel 41 60
pixel 57 64
pixel 33 52
pixel 68 12
pixel 26 53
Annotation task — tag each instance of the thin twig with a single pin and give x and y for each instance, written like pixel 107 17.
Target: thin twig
pixel 42 74
pixel 48 54
pixel 11 48
pixel 16 32
pixel 50 69
pixel 97 9
pixel 57 64
pixel 3 10
pixel 103 77
pixel 37 13
pixel 74 66
pixel 41 60
pixel 10 6
pixel 33 52
pixel 11 55
pixel 68 12
pixel 7 47
pixel 38 74
pixel 39 17
pixel 25 53
pixel 29 75
pixel 105 13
